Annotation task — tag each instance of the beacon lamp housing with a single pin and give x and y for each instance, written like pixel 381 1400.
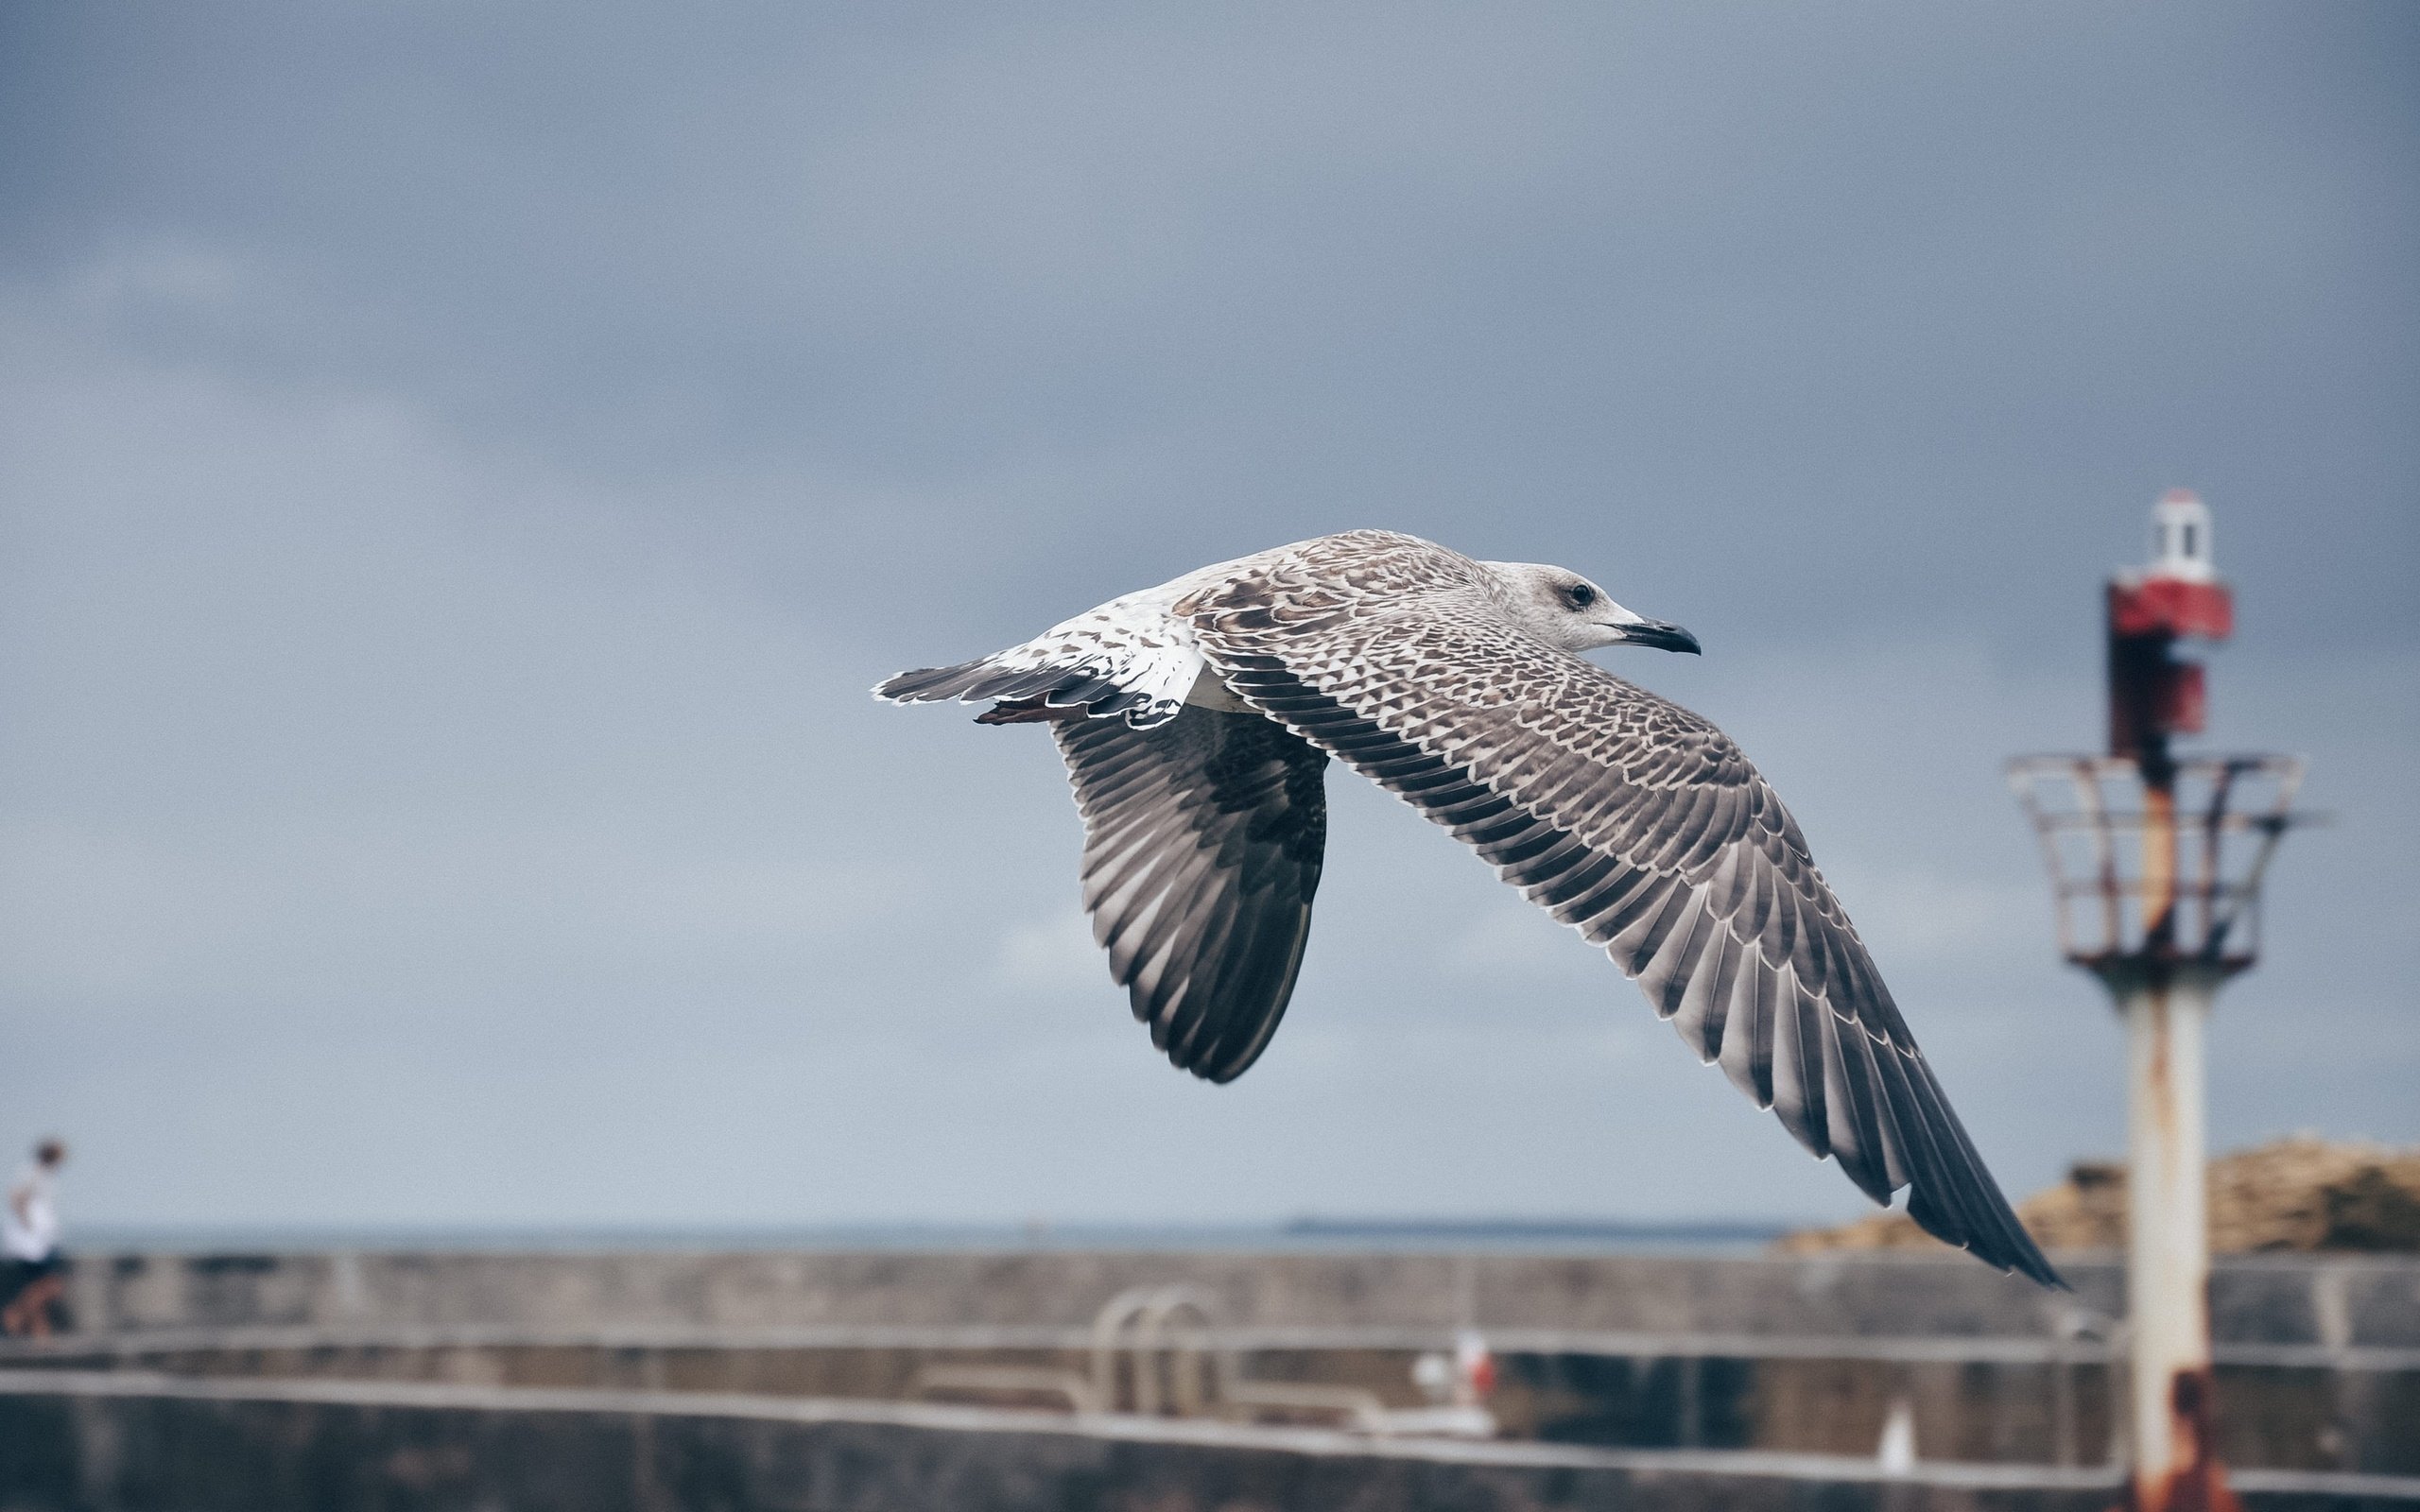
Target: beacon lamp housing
pixel 2152 695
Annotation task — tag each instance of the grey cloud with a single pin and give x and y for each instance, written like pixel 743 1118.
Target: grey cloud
pixel 463 467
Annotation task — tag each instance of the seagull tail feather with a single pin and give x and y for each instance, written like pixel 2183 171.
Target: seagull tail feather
pixel 1019 695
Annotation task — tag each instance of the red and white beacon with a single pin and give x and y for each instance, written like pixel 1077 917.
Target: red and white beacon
pixel 2152 693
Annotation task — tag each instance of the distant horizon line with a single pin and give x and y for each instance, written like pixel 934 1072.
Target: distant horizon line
pixel 1610 1227
pixel 1315 1229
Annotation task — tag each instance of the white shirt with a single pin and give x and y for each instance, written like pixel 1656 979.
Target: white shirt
pixel 36 1234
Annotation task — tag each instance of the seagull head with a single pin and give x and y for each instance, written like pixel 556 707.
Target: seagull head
pixel 1562 609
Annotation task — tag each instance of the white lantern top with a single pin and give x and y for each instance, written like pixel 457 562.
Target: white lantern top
pixel 2181 538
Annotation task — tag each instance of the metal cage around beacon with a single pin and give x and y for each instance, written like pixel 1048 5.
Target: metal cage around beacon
pixel 2135 888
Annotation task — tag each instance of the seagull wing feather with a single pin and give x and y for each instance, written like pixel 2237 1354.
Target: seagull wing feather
pixel 1204 838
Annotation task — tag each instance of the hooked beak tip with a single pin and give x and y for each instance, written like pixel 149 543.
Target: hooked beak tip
pixel 1660 635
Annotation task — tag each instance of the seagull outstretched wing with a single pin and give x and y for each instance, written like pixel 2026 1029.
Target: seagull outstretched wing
pixel 1626 816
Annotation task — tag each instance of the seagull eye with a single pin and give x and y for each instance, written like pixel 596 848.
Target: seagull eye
pixel 1581 594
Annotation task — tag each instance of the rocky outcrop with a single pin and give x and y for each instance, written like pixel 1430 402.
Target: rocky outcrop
pixel 2297 1193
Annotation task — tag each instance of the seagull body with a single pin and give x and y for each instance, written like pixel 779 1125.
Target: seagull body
pixel 1197 720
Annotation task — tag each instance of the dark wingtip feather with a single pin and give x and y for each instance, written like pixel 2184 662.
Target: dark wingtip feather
pixel 2018 1256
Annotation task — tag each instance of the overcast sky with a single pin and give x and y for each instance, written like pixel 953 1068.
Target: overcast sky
pixel 463 465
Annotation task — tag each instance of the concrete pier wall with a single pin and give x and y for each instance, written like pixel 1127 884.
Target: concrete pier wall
pixel 2315 1303
pixel 2319 1360
pixel 1588 1392
pixel 115 1444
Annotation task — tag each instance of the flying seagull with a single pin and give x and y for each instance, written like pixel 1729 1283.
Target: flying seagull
pixel 1197 719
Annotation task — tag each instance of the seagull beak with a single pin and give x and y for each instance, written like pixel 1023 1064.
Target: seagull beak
pixel 1655 633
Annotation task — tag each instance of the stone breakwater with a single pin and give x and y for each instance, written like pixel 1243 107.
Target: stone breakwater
pixel 1760 1373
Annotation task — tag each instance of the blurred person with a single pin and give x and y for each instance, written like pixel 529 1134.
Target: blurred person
pixel 31 1282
